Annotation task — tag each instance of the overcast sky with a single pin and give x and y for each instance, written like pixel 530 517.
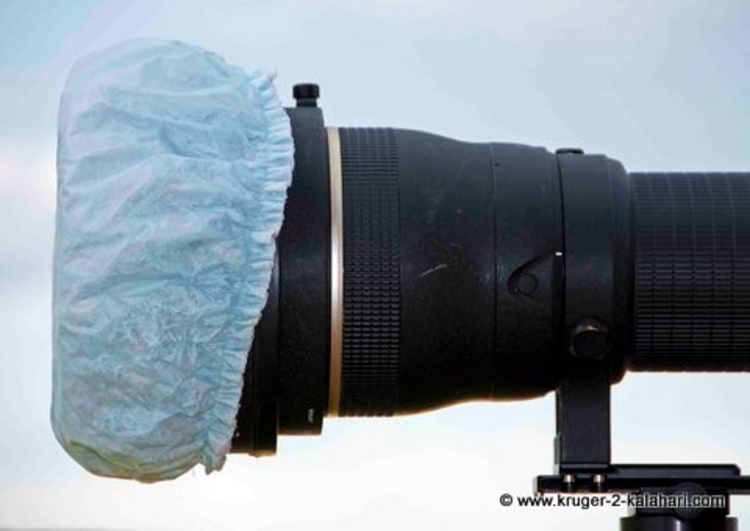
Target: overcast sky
pixel 657 84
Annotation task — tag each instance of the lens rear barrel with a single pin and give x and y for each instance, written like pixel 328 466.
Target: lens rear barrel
pixel 691 272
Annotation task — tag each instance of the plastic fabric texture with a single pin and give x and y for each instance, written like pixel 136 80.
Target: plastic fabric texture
pixel 173 169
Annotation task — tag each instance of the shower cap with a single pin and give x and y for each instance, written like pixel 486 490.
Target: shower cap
pixel 172 173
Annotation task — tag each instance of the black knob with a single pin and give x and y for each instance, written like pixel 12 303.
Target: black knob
pixel 306 94
pixel 569 151
pixel 589 339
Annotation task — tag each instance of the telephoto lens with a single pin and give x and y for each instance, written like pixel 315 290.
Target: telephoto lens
pixel 414 271
pixel 227 270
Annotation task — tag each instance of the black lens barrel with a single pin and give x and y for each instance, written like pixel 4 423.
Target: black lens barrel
pixel 485 271
pixel 692 271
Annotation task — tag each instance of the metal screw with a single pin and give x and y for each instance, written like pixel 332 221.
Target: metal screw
pixel 589 339
pixel 570 482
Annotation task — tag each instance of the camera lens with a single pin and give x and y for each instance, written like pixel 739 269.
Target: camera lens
pixel 415 271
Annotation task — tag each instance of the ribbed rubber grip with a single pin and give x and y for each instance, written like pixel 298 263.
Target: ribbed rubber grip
pixel 692 271
pixel 371 272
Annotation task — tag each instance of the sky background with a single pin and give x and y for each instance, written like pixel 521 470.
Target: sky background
pixel 657 84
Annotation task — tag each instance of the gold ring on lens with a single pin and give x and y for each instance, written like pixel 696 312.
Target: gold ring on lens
pixel 337 271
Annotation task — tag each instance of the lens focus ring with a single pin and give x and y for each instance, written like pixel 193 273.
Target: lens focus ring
pixel 371 272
